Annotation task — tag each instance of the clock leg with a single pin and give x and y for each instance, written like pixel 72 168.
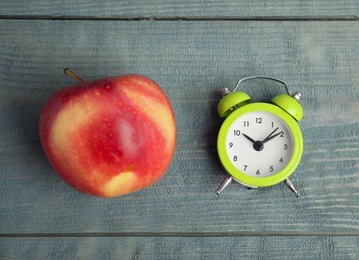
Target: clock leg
pixel 290 185
pixel 224 184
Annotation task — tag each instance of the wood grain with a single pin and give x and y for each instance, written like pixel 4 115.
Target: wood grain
pixel 324 247
pixel 176 9
pixel 191 60
pixel 192 50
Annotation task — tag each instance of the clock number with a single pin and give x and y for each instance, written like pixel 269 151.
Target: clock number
pixel 235 158
pixel 236 132
pixel 258 172
pixel 272 124
pixel 281 134
pixel 285 147
pixel 246 123
pixel 271 169
pixel 230 145
pixel 245 167
pixel 259 120
pixel 281 160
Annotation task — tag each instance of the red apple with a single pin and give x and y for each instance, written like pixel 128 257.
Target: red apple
pixel 111 136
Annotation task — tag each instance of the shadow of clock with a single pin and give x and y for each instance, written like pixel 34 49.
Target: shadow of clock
pixel 214 124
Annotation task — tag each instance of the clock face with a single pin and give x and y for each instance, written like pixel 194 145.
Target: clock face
pixel 259 144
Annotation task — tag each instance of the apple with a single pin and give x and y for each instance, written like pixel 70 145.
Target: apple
pixel 110 136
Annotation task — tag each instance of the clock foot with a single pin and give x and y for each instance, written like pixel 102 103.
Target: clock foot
pixel 290 185
pixel 224 184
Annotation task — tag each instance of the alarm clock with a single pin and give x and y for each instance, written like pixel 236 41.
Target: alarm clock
pixel 259 144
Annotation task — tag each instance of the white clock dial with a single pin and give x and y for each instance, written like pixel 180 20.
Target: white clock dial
pixel 259 144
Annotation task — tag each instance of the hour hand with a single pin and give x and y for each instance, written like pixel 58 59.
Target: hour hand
pixel 249 138
pixel 257 145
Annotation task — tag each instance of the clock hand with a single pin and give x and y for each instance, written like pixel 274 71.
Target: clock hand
pixel 269 136
pixel 249 138
pixel 273 136
pixel 257 145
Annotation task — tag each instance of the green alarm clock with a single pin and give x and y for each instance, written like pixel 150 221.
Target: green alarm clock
pixel 259 144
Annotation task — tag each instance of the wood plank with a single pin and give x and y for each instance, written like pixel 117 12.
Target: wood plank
pixel 181 248
pixel 191 60
pixel 182 9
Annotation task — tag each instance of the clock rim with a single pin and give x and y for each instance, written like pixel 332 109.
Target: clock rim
pixel 288 170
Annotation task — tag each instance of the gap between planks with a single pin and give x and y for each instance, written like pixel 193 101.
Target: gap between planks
pixel 179 18
pixel 181 234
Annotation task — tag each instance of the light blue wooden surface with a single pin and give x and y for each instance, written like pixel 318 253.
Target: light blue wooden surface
pixel 330 248
pixel 178 9
pixel 181 217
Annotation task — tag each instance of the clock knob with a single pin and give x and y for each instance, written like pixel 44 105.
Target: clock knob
pixel 231 101
pixel 290 104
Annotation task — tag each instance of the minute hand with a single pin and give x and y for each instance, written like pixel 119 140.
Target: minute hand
pixel 271 136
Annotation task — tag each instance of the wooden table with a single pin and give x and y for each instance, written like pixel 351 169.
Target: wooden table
pixel 192 49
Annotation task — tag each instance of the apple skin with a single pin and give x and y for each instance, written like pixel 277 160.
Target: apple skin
pixel 111 136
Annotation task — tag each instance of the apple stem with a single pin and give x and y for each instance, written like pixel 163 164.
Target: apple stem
pixel 70 73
